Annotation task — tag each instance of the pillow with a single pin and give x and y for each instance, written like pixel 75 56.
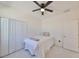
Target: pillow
pixel 35 39
pixel 46 34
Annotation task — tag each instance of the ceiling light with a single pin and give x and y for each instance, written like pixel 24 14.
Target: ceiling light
pixel 42 10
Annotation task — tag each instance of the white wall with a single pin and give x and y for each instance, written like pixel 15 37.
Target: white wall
pixel 54 24
pixel 34 23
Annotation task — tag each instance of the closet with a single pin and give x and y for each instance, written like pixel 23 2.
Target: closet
pixel 3 36
pixel 12 35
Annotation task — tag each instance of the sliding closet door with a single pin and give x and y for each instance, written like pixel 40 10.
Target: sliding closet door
pixel 4 37
pixel 23 32
pixel 18 35
pixel 0 37
pixel 12 35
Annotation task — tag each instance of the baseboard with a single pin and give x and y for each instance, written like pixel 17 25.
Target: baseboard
pixel 71 50
pixel 11 53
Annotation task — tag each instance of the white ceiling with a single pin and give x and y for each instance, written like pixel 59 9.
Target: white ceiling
pixel 28 6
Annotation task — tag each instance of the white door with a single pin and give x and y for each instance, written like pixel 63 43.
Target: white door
pixel 24 30
pixel 12 35
pixel 23 33
pixel 70 34
pixel 4 37
pixel 18 35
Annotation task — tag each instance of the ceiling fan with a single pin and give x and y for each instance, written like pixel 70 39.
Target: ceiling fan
pixel 42 7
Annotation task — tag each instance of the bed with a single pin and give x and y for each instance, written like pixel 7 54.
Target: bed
pixel 39 45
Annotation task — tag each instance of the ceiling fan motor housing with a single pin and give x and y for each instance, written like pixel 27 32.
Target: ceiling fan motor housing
pixel 42 5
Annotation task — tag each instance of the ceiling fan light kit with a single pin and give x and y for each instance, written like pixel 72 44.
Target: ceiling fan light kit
pixel 42 7
pixel 42 10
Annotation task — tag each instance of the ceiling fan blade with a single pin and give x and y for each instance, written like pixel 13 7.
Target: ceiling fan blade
pixel 42 13
pixel 48 3
pixel 37 3
pixel 35 10
pixel 49 10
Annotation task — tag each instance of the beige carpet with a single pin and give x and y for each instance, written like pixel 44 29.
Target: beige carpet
pixel 55 52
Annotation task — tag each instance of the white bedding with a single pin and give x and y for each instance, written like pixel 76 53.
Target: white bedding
pixel 30 45
pixel 40 47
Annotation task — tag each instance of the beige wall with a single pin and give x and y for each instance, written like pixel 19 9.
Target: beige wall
pixel 34 23
pixel 54 24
